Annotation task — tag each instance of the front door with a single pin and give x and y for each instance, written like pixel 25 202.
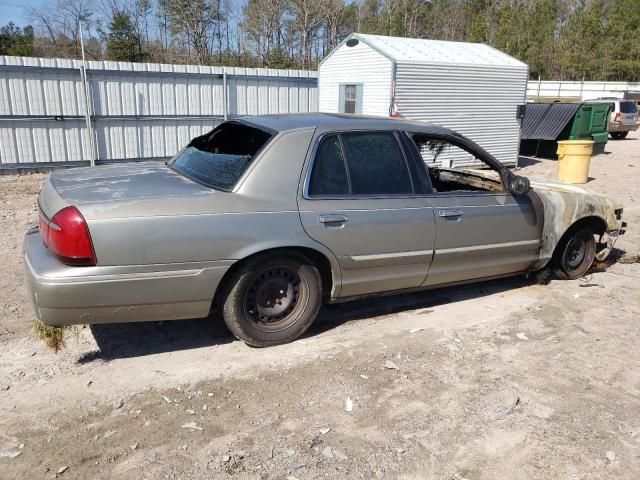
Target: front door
pixel 481 234
pixel 482 230
pixel 361 201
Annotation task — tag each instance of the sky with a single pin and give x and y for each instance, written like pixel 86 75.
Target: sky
pixel 16 11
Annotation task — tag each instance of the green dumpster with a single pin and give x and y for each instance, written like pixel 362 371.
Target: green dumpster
pixel 590 123
pixel 544 124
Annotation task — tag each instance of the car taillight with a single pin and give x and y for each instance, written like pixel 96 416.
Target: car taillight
pixel 617 117
pixel 67 237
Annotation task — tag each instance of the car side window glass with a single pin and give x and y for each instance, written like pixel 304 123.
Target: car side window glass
pixel 446 164
pixel 329 175
pixel 376 164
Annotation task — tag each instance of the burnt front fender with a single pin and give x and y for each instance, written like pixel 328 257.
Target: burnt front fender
pixel 564 205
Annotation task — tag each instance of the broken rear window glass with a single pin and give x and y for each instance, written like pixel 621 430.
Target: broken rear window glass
pixel 219 158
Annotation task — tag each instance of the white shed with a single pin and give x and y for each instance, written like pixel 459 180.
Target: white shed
pixel 469 87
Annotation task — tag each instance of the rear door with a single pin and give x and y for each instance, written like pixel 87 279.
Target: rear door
pixel 363 201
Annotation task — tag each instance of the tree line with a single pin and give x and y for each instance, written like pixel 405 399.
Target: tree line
pixel 559 39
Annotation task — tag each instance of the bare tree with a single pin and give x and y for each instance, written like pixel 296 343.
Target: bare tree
pixel 306 18
pixel 263 26
pixel 61 21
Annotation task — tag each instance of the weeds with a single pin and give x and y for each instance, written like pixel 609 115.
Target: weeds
pixel 53 337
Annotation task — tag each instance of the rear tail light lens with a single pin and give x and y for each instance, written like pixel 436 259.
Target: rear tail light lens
pixel 67 236
pixel 617 117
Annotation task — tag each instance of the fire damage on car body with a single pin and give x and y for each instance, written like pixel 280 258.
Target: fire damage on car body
pixel 262 219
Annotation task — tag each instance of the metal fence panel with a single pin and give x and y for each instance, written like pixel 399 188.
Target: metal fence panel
pixel 136 111
pixel 579 90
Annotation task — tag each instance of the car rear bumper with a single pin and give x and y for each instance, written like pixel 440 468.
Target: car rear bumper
pixel 64 295
pixel 623 127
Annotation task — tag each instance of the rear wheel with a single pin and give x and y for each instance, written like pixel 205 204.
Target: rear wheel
pixel 272 300
pixel 619 135
pixel 575 254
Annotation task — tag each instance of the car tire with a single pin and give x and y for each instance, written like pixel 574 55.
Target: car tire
pixel 575 254
pixel 272 300
pixel 619 135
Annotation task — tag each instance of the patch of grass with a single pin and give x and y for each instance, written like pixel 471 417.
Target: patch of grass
pixel 629 258
pixel 53 337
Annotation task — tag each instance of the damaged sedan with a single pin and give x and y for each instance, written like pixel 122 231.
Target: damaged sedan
pixel 264 218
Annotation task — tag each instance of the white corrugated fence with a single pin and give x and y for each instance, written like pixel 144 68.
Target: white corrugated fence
pixel 580 90
pixel 135 110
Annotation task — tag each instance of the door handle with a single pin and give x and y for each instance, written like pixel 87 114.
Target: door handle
pixel 450 213
pixel 332 219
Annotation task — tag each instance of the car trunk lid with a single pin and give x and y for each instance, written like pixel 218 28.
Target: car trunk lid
pixel 114 183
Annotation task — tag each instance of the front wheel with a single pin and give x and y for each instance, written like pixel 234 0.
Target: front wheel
pixel 575 254
pixel 272 300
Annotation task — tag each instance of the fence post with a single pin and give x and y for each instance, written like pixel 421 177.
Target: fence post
pixel 88 103
pixel 224 93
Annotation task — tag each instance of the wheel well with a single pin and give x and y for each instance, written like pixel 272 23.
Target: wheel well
pixel 596 224
pixel 318 259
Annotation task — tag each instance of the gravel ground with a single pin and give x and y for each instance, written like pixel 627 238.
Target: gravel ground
pixel 496 380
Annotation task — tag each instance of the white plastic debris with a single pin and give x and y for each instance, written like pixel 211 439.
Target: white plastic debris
pixel 390 365
pixel 192 426
pixel 348 404
pixel 10 454
pixel 324 431
pixel 327 452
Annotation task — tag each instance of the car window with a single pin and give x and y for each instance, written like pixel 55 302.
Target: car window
pixel 442 159
pixel 376 164
pixel 628 107
pixel 219 158
pixel 329 175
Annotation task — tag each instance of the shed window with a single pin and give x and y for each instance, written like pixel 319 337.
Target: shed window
pixel 351 98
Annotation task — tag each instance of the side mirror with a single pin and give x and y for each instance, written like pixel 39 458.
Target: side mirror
pixel 519 185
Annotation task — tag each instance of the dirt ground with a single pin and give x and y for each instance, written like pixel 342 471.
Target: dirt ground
pixel 499 380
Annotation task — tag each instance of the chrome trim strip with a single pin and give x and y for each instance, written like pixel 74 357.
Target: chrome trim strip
pixel 490 246
pixel 385 256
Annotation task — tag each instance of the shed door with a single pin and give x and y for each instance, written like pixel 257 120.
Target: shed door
pixel 350 99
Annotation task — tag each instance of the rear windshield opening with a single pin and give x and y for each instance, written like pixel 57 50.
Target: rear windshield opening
pixel 219 158
pixel 628 107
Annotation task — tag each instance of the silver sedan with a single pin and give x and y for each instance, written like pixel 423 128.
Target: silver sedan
pixel 262 219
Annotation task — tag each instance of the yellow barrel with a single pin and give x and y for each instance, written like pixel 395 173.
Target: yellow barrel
pixel 573 160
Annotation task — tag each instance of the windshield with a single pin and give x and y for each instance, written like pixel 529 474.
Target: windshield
pixel 628 107
pixel 219 158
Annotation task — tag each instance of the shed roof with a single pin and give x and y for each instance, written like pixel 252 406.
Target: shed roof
pixel 418 50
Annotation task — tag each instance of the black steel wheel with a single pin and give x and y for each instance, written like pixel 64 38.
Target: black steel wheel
pixel 575 254
pixel 272 300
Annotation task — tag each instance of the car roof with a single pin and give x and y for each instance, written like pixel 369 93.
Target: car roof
pixel 338 121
